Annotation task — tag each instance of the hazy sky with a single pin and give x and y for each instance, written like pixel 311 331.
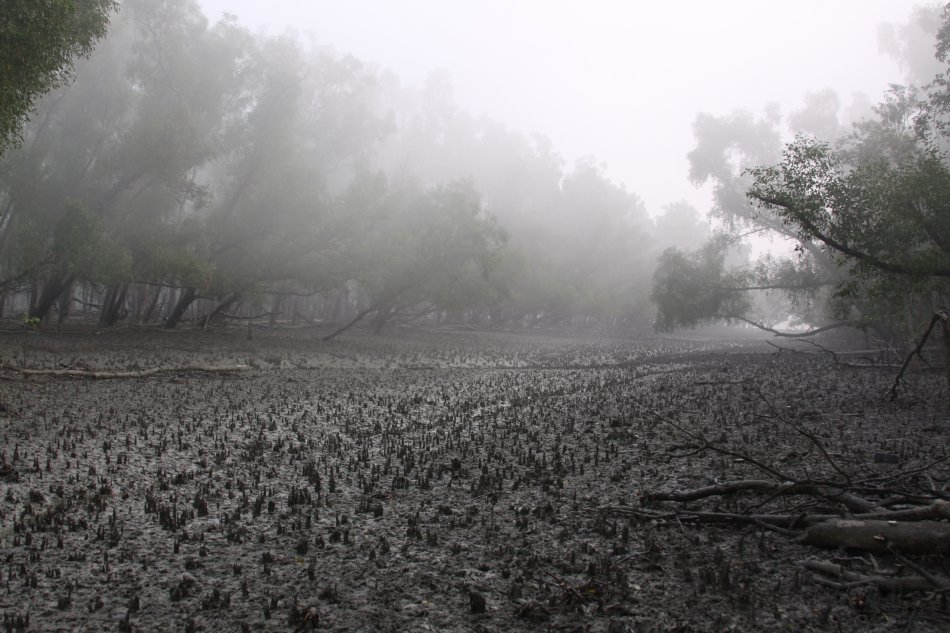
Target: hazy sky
pixel 618 79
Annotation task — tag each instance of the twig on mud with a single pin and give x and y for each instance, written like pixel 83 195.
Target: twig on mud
pixel 804 433
pixel 565 586
pixel 719 449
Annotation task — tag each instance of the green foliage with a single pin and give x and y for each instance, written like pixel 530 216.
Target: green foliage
pixel 39 39
pixel 437 246
pixel 692 289
pixel 869 210
pixel 885 217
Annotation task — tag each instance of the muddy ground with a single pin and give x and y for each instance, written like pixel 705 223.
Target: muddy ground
pixel 432 481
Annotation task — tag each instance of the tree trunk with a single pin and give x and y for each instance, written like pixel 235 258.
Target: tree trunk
pixel 218 314
pixel 138 301
pixel 186 298
pixel 152 305
pixel 65 302
pixel 112 305
pixel 945 327
pixel 52 289
pixel 276 304
pixel 383 315
pixel 359 317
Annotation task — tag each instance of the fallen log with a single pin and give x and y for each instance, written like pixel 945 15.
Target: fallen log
pixel 143 373
pixel 909 537
pixel 776 489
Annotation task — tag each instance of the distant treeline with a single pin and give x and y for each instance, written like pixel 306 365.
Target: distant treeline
pixel 195 171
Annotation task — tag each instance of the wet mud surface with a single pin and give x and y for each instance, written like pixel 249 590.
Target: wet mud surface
pixel 429 482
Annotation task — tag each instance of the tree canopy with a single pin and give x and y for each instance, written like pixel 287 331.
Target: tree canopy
pixel 39 41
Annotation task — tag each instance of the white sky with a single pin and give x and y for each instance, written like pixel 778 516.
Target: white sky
pixel 620 80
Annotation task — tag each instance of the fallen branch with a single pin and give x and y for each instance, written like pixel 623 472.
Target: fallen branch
pixel 794 335
pixel 839 363
pixel 706 444
pixel 936 511
pixel 854 579
pixel 936 318
pixel 850 501
pixel 143 373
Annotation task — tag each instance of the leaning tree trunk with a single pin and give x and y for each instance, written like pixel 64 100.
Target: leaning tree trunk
pixel 385 313
pixel 186 299
pixel 112 305
pixel 219 312
pixel 152 305
pixel 52 289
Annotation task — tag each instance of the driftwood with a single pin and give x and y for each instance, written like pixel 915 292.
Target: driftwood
pixel 143 373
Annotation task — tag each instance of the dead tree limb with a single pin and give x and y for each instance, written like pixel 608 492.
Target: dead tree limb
pixel 143 373
pixel 936 318
pixel 848 500
pixel 719 449
pixel 798 428
pixel 936 511
pixel 854 579
pixel 794 335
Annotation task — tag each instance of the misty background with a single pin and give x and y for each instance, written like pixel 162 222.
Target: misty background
pixel 619 81
pixel 538 164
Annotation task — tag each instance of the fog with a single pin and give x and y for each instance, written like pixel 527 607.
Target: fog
pixel 530 164
pixel 620 81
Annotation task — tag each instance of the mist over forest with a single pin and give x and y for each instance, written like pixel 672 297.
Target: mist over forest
pixel 195 170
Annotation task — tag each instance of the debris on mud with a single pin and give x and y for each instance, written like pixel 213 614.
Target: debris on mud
pixel 457 481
